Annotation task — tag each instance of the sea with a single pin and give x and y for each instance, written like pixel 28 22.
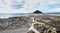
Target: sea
pixel 7 15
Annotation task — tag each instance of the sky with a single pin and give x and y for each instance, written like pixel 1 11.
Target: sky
pixel 29 6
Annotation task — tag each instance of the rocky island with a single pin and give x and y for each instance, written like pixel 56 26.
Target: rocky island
pixel 37 11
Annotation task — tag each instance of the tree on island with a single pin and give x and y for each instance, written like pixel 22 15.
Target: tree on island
pixel 37 11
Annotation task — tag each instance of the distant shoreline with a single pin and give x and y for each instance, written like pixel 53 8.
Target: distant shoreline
pixel 7 15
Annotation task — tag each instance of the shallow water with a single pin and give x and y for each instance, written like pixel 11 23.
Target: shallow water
pixel 6 15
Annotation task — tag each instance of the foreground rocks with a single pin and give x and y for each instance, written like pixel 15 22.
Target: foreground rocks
pixel 14 23
pixel 23 23
pixel 40 27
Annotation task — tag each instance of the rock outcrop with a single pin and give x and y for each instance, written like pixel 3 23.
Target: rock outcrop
pixel 40 27
pixel 37 11
pixel 23 23
pixel 15 23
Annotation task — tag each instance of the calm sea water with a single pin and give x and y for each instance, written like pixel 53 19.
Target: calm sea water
pixel 6 15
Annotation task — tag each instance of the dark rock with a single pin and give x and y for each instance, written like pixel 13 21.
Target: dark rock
pixel 30 31
pixel 37 11
pixel 58 31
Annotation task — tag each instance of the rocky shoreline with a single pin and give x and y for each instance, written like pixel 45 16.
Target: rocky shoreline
pixel 21 22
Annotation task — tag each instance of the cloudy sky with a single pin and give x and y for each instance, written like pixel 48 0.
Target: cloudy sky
pixel 29 6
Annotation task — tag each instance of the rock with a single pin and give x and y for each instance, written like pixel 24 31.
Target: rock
pixel 51 20
pixel 4 25
pixel 31 31
pixel 44 28
pixel 12 23
pixel 37 11
pixel 40 27
pixel 58 31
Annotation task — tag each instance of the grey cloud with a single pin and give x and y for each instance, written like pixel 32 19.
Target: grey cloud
pixel 17 5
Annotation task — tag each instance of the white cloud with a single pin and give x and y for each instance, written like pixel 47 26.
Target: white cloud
pixel 55 10
pixel 58 9
pixel 31 5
